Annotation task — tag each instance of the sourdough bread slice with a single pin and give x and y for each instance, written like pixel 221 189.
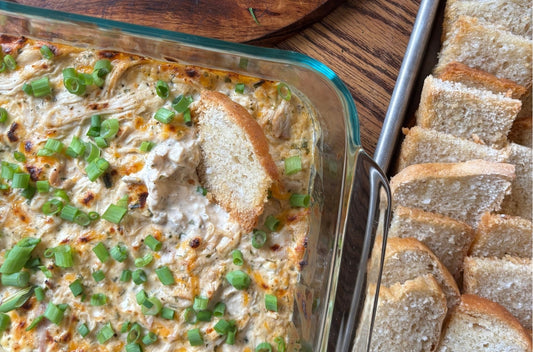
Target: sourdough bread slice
pixel 479 325
pixel 511 15
pixel 507 281
pixel 409 316
pixel 475 78
pixel 471 113
pixel 499 235
pixel 447 238
pixel 407 259
pixel 237 168
pixel 462 191
pixel 485 47
pixel 519 201
pixel 422 145
pixel 521 132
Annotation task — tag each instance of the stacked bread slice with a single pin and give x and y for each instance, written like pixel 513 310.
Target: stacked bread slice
pixel 462 189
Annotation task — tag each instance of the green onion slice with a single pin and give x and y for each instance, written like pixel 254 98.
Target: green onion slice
pixel 204 315
pixel 26 87
pixel 271 302
pixel 82 219
pixel 258 238
pixel 76 148
pixel 10 62
pixel 194 337
pixel 72 82
pixel 154 309
pixel 63 256
pixel 46 52
pixel 164 115
pixel 222 327
pixel 103 67
pixel 167 313
pixel 133 347
pixel 284 91
pixel 98 275
pixel 101 252
pixel 96 123
pixel 68 212
pixel 54 313
pixel 41 87
pixel 146 146
pixel 153 243
pixel 139 277
pixel 39 293
pixel 16 300
pixel 161 88
pixel 187 117
pixel 299 200
pixel 19 255
pixel 20 180
pixel 76 287
pixel 200 303
pixel 281 344
pixel 43 186
pixel 98 299
pixel 114 213
pixel 20 279
pixel 3 115
pixel 165 275
pixel 149 338
pixel 52 207
pixel 238 279
pixel 35 322
pixel 109 128
pixel 237 257
pixel 263 347
pixel 119 252
pixel 272 223
pixel 125 276
pixel 105 333
pixel 230 337
pixel 219 309
pixel 239 88
pixel 189 315
pixel 181 103
pixel 144 261
pixel 83 330
pixel 19 156
pixel 5 321
pixel 293 164
pixel 126 326
pixel 134 334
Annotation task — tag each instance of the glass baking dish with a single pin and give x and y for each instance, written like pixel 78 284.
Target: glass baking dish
pixel 332 311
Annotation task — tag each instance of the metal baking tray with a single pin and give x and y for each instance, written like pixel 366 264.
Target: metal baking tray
pixel 330 310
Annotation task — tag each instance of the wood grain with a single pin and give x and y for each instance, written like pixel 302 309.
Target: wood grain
pixel 228 20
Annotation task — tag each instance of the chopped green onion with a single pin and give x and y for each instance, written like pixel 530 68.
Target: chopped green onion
pixel 119 252
pixel 181 103
pixel 35 322
pixel 219 310
pixel 109 128
pixel 101 142
pixel 96 168
pixel 39 294
pixel 16 300
pixel 3 115
pixel 125 276
pixel 134 334
pixel 10 62
pixel 33 263
pixel 114 213
pixel 194 337
pixel 85 78
pixel 82 219
pixel 54 313
pixel 299 200
pixel 139 277
pixel 153 243
pixel 200 303
pixel 165 275
pixel 251 10
pixel 45 152
pixel 230 337
pixel 104 65
pixel 293 164
pixel 164 115
pixel 47 273
pixel 98 275
pixel 76 148
pixel 43 186
pixel 19 156
pixel 154 309
pixel 263 347
pixel 101 252
pixel 271 302
pixel 92 152
pixel 201 190
pixel 61 193
pixel 133 347
pixel 29 191
pixel 19 255
pixel 272 223
pixel 123 202
pixel 237 257
pixel 93 215
pixel 149 338
pixel 46 52
pixel 20 279
pixel 204 315
pixel 239 88
pixel 161 88
pixel 8 170
pixel 72 82
pixel 187 117
pixel 69 212
pixel 144 261
pixel 125 327
pixel 83 330
pixel 3 66
pixel 146 146
pixel 284 91
pixel 167 313
pixel 189 315
pixel 281 344
pixel 41 87
pixel 63 256
pixel 238 279
pixel 20 180
pixel 98 299
pixel 222 327
pixel 105 333
pixel 26 88
pixel 258 238
pixel 96 123
pixel 5 321
pixel 142 297
pixel 76 287
pixel 52 207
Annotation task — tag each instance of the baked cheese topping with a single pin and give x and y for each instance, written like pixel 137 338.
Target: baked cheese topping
pixel 108 239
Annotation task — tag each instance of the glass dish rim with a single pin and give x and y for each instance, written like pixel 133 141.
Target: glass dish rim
pixel 351 117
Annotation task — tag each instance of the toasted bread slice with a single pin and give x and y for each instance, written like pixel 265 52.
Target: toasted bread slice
pixel 488 48
pixel 511 15
pixel 479 325
pixel 499 235
pixel 237 168
pixel 408 258
pixel 507 281
pixel 462 191
pixel 409 316
pixel 471 113
pixel 519 201
pixel 447 238
pixel 521 131
pixel 422 145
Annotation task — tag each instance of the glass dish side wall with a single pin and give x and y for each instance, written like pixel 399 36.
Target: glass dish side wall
pixel 333 104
